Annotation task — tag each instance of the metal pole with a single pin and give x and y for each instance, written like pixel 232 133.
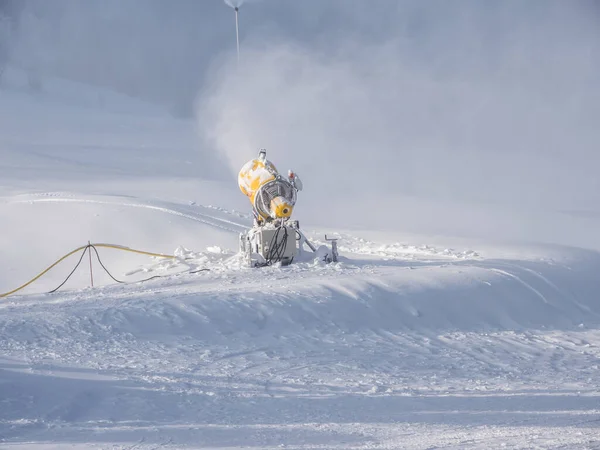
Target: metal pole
pixel 90 254
pixel 237 34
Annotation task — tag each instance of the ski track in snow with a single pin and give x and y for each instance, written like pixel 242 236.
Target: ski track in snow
pixel 259 359
pixel 194 371
pixel 399 345
pixel 310 356
pixel 346 355
pixel 195 215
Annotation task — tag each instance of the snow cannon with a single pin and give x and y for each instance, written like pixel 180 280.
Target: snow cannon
pixel 275 237
pixel 272 196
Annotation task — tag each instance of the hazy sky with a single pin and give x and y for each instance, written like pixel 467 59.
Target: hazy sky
pixel 453 101
pixel 163 48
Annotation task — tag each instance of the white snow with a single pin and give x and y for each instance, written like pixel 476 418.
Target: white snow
pixel 409 341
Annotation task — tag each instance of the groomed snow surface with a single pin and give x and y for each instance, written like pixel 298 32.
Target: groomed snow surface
pixel 409 342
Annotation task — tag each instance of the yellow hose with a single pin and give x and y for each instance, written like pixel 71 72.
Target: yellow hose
pixel 127 249
pixel 118 247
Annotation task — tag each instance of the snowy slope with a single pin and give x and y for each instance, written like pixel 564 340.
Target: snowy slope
pixel 408 342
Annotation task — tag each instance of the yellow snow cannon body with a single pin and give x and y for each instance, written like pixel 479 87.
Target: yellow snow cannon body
pixel 272 196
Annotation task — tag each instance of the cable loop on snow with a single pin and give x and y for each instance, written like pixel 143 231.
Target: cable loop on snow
pixel 86 248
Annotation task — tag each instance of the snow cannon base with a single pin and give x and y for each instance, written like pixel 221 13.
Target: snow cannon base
pixel 281 242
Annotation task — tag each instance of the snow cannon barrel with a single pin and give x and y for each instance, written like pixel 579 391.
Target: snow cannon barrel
pixel 272 196
pixel 281 208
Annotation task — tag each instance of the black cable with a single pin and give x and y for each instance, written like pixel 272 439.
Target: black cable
pixel 103 266
pixel 139 281
pixel 85 250
pixel 269 256
pixel 273 246
pixel 72 272
pixel 277 247
pixel 283 245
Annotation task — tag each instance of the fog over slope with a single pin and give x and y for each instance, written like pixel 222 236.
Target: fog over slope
pixel 402 110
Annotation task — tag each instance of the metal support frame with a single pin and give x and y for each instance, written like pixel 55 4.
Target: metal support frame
pixel 334 249
pixel 301 240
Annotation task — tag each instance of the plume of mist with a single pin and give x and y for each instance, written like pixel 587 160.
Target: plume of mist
pixel 466 116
